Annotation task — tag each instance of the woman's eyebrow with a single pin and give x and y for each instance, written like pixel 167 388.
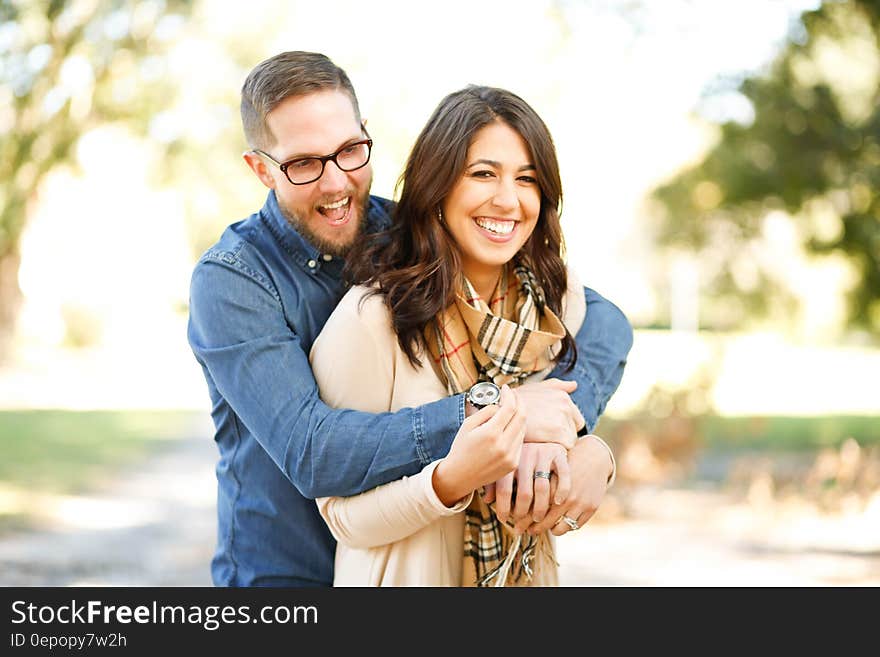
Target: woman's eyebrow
pixel 491 163
pixel 497 164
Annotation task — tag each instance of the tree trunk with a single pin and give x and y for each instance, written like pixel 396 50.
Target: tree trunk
pixel 10 299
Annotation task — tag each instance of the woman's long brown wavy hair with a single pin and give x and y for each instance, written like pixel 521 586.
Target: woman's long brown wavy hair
pixel 415 264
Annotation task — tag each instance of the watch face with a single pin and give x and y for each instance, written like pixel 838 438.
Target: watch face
pixel 484 394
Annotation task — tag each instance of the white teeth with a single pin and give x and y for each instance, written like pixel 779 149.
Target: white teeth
pixel 338 204
pixel 498 227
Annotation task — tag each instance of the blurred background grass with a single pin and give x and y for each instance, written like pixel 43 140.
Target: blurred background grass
pixel 63 453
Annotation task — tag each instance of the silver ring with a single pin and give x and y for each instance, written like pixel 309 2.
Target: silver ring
pixel 570 522
pixel 541 474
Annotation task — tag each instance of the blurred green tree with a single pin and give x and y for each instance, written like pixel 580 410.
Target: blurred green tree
pixel 811 150
pixel 66 67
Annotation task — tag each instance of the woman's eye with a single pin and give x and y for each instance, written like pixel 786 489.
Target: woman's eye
pixel 482 174
pixel 528 179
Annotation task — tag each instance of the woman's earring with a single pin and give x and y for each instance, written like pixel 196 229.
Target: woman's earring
pixel 440 215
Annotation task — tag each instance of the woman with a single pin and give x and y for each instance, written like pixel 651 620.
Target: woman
pixel 468 285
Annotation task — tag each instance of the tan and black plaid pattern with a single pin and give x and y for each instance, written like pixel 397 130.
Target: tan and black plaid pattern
pixel 504 340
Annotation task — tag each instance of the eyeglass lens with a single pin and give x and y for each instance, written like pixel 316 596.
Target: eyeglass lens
pixel 309 169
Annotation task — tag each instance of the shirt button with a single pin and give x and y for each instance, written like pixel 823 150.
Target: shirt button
pixel 327 257
pixel 312 264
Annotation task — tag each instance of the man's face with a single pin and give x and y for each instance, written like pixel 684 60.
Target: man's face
pixel 329 212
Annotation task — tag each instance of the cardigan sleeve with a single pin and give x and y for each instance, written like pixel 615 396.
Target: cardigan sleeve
pixel 387 513
pixel 354 361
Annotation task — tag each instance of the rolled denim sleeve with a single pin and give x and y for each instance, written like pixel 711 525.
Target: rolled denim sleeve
pixel 257 363
pixel 603 343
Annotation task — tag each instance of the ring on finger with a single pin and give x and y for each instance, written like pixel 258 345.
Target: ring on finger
pixel 541 474
pixel 571 522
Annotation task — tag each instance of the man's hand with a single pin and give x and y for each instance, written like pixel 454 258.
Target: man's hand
pixel 591 466
pixel 551 416
pixel 532 493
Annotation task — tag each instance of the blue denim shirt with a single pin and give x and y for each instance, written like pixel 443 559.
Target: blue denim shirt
pixel 258 299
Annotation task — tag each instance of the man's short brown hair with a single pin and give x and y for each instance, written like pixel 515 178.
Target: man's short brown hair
pixel 294 73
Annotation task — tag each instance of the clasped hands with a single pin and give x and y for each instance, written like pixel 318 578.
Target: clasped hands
pixel 501 448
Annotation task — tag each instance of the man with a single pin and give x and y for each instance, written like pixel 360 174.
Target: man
pixel 261 295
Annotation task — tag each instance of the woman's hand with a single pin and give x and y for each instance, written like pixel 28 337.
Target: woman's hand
pixel 486 448
pixel 591 467
pixel 532 498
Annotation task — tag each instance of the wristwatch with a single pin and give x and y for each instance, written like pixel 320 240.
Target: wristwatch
pixel 484 393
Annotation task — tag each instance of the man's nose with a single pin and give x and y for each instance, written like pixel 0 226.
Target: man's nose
pixel 333 179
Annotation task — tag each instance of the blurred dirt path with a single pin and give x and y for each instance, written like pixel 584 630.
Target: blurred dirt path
pixel 155 525
pixel 704 537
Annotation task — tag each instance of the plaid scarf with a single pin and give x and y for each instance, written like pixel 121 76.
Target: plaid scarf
pixel 503 341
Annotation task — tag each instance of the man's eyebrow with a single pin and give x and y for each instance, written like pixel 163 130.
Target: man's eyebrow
pixel 497 165
pixel 348 141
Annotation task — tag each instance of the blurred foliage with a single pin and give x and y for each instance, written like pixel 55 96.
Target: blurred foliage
pixel 845 477
pixel 661 439
pixel 812 151
pixel 66 67
pixel 817 458
pixel 675 433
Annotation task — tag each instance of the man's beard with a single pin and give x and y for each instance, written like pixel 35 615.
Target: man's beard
pixel 337 250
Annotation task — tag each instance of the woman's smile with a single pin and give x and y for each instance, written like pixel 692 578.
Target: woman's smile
pixel 495 229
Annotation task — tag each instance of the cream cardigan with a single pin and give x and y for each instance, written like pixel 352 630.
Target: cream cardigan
pixel 399 534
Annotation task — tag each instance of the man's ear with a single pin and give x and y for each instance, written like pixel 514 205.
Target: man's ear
pixel 255 162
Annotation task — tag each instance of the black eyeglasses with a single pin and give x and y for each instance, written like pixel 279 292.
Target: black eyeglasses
pixel 305 170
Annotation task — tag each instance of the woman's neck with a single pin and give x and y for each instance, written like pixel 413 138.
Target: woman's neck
pixel 484 279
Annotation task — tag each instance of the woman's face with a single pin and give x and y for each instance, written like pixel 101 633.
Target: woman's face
pixel 493 208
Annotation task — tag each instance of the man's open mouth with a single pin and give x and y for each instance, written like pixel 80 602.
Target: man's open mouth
pixel 337 212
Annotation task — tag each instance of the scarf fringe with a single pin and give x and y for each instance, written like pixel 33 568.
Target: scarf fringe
pixel 501 570
pixel 537 555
